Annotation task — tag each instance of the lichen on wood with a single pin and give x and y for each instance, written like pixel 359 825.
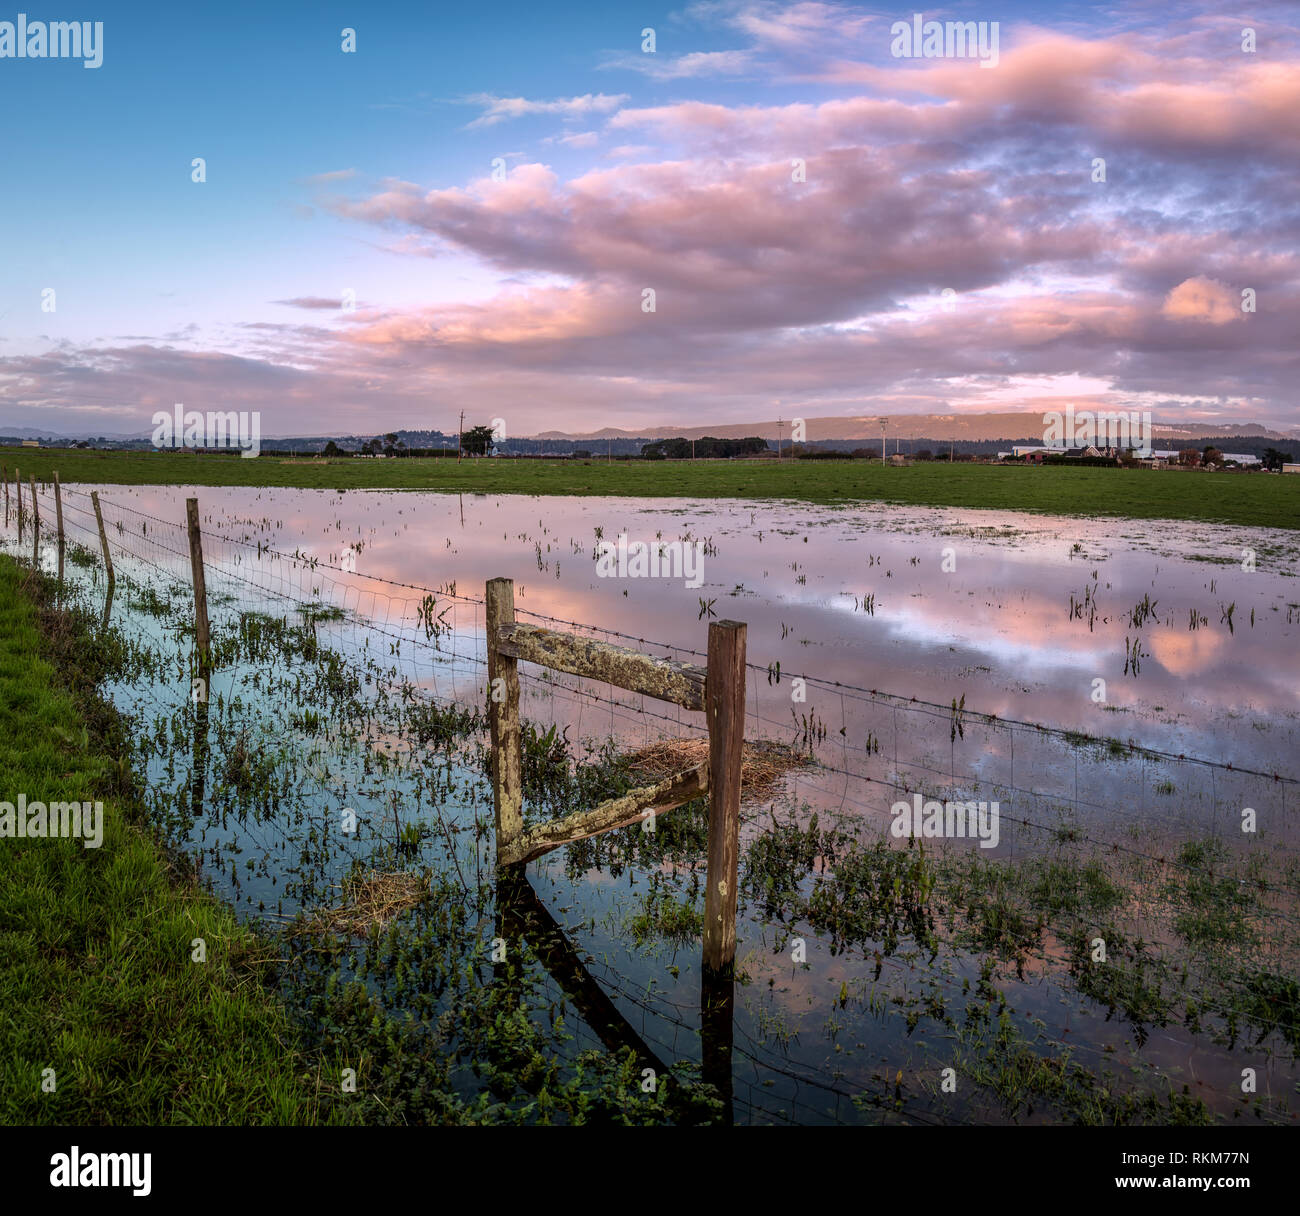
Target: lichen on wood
pixel 665 679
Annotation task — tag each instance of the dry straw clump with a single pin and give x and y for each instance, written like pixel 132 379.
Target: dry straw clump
pixel 762 763
pixel 370 901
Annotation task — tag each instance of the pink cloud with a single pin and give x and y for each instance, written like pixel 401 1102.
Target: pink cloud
pixel 1201 299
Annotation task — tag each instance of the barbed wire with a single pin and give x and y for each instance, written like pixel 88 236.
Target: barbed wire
pixel 858 692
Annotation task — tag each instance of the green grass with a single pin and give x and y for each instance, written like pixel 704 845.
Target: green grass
pixel 96 977
pixel 1248 499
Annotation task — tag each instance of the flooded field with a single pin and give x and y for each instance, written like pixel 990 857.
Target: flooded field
pixel 1126 694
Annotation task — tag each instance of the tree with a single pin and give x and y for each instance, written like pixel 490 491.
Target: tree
pixel 1189 458
pixel 477 442
pixel 1212 455
pixel 332 449
pixel 705 448
pixel 925 454
pixel 1273 460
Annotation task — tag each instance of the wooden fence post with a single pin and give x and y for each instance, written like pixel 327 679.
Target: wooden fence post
pixel 36 522
pixel 58 517
pixel 503 717
pixel 4 476
pixel 103 541
pixel 202 636
pixel 724 693
pixel 18 493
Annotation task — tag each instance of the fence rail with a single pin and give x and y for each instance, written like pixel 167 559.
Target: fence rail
pixel 680 683
pixel 718 689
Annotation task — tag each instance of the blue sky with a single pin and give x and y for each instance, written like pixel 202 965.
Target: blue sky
pixel 372 171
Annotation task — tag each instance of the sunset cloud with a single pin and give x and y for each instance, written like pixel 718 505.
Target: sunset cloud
pixel 1203 300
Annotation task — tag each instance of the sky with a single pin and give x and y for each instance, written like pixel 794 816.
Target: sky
pixel 467 210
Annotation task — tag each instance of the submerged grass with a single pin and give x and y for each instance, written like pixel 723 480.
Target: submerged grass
pixel 1084 918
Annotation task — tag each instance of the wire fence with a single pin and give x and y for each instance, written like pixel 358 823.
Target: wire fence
pixel 862 752
pixel 437 642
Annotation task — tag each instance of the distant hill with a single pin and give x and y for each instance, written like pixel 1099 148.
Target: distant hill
pixel 980 428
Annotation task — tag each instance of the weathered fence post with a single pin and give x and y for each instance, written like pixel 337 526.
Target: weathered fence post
pixel 202 637
pixel 103 543
pixel 724 693
pixel 4 476
pixel 36 522
pixel 58 518
pixel 18 493
pixel 503 717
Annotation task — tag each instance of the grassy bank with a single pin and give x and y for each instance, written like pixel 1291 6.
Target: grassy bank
pixel 1248 499
pixel 97 982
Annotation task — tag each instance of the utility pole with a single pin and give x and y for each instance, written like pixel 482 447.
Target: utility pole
pixel 883 442
pixel 692 447
pixel 950 447
pixel 458 434
pixel 779 425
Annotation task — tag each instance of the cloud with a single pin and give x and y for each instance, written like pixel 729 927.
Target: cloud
pixel 1125 91
pixel 312 302
pixel 737 245
pixel 334 175
pixel 783 40
pixel 1201 299
pixel 684 67
pixel 499 109
pixel 793 27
